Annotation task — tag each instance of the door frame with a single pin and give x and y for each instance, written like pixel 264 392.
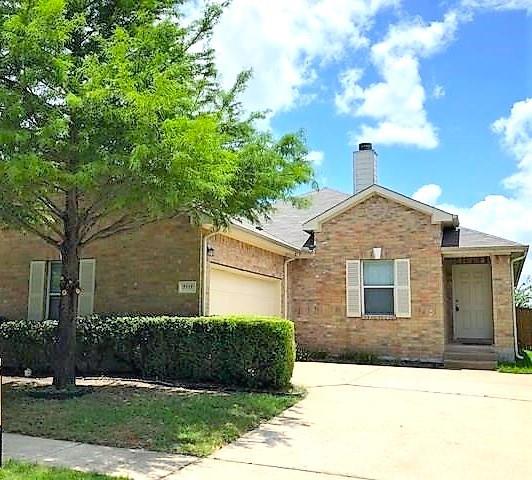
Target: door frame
pixel 472 341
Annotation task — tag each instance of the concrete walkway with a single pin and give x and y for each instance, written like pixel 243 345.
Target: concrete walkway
pixel 362 422
pixel 134 464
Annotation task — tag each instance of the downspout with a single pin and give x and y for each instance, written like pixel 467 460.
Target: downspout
pixel 285 281
pixel 516 345
pixel 203 299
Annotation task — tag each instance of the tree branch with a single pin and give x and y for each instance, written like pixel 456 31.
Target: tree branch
pixel 60 214
pixel 124 224
pixel 47 238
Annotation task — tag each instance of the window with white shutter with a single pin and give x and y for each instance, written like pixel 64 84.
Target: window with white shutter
pixel 45 289
pixel 353 291
pixel 36 290
pixel 403 301
pixel 87 271
pixel 378 287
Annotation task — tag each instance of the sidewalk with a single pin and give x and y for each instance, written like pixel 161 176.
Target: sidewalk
pixel 133 464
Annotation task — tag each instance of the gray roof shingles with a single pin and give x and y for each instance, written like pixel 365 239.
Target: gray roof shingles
pixel 286 221
pixel 286 224
pixel 467 238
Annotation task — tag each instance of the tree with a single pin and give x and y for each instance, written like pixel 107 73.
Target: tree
pixel 523 294
pixel 111 117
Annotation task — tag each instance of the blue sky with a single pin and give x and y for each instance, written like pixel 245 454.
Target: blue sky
pixel 443 89
pixel 485 70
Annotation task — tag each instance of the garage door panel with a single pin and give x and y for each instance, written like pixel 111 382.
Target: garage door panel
pixel 236 292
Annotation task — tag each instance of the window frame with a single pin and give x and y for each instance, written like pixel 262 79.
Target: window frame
pixel 363 289
pixel 49 292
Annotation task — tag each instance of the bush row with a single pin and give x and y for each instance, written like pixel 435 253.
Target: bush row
pixel 253 352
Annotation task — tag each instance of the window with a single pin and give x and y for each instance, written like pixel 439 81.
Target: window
pixel 378 286
pixel 44 288
pixel 54 290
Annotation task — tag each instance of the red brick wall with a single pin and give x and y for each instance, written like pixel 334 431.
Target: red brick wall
pixel 502 286
pixel 234 253
pixel 135 272
pixel 317 286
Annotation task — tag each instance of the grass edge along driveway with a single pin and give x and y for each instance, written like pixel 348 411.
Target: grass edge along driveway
pixel 138 415
pixel 520 366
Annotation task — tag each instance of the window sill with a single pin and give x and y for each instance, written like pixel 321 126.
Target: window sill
pixel 379 317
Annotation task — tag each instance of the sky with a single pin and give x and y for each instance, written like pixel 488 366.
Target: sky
pixel 443 90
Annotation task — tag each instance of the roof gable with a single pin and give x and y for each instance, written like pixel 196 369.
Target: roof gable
pixel 437 215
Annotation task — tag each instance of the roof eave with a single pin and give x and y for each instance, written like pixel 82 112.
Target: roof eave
pixel 265 241
pixel 454 252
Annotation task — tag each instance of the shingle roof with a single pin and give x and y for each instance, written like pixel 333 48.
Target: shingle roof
pixel 467 238
pixel 287 221
pixel 286 224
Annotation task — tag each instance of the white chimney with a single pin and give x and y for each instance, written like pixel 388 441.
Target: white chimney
pixel 364 167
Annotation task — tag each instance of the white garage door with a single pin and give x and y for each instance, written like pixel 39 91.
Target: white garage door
pixel 233 291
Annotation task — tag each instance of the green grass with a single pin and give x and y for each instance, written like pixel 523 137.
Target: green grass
pixel 158 419
pixel 24 471
pixel 521 366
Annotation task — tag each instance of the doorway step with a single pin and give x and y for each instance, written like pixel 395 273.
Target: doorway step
pixel 475 357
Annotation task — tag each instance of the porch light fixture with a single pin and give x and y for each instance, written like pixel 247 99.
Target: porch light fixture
pixel 377 251
pixel 210 251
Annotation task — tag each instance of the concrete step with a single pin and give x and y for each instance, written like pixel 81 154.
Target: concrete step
pixel 470 364
pixel 455 347
pixel 470 356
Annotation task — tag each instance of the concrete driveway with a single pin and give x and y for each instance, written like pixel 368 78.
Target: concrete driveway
pixel 371 422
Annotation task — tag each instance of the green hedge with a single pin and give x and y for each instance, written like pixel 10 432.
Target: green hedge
pixel 253 352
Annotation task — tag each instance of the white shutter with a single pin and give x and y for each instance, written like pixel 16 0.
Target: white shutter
pixel 402 288
pixel 87 272
pixel 352 288
pixel 36 290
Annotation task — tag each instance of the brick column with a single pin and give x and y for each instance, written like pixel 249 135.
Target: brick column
pixel 502 285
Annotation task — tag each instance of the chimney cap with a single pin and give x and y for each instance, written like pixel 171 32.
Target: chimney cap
pixel 365 146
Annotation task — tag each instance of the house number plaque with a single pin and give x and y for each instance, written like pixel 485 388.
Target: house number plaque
pixel 187 286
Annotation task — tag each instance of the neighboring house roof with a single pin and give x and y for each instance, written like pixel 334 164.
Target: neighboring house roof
pixel 467 238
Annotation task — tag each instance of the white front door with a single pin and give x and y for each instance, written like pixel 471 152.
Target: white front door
pixel 472 302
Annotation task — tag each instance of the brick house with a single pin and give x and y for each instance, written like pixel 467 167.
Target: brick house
pixel 374 272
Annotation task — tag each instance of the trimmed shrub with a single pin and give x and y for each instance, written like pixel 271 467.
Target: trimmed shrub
pixel 247 351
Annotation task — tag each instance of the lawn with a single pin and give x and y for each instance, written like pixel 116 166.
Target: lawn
pixel 136 415
pixel 23 471
pixel 521 366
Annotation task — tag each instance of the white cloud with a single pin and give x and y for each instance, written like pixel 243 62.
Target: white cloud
pixel 316 157
pixel 508 216
pixel 284 43
pixel 397 103
pixel 438 91
pixel 516 131
pixel 428 194
pixel 499 4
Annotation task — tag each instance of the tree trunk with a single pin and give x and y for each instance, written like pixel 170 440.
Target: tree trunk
pixel 65 354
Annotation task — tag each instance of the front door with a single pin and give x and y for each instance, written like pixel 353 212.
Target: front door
pixel 472 303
